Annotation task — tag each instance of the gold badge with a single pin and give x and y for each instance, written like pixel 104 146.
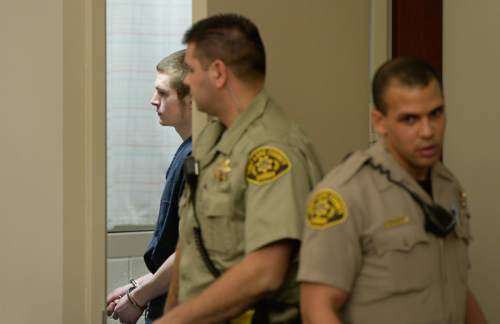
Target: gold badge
pixel 266 164
pixel 223 169
pixel 463 200
pixel 326 209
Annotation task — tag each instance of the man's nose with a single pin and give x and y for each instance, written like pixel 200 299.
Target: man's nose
pixel 155 100
pixel 426 128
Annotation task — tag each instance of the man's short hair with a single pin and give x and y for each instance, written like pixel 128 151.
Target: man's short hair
pixel 407 71
pixel 174 66
pixel 233 39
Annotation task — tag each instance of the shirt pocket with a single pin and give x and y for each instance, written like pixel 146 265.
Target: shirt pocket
pixel 407 257
pixel 217 226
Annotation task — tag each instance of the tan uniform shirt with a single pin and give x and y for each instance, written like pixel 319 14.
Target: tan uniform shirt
pixel 365 235
pixel 254 179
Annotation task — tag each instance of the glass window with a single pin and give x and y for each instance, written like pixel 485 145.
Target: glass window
pixel 139 34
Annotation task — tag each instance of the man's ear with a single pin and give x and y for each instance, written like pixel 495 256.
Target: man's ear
pixel 378 121
pixel 218 73
pixel 188 101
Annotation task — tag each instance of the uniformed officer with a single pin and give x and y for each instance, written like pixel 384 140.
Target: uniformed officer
pixel 388 231
pixel 241 219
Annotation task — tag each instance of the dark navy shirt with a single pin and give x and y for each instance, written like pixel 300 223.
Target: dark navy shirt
pixel 166 233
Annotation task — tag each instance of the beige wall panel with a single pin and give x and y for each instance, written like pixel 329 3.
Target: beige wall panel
pixel 200 119
pixel 52 169
pixel 73 143
pixel 31 187
pixel 471 70
pixel 84 161
pixel 317 55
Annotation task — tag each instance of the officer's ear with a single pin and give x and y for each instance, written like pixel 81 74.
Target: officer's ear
pixel 379 122
pixel 188 102
pixel 218 73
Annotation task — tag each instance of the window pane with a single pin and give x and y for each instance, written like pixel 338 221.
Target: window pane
pixel 139 34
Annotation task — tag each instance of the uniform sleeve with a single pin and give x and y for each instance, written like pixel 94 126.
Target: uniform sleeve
pixel 278 185
pixel 330 252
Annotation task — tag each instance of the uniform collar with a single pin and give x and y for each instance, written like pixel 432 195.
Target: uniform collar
pixel 381 155
pixel 217 138
pixel 441 180
pixel 205 142
pixel 440 171
pixel 234 132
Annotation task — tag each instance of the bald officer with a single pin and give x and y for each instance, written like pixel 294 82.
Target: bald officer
pixel 242 217
pixel 388 230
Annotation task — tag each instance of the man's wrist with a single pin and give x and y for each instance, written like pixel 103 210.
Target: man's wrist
pixel 140 296
pixel 131 299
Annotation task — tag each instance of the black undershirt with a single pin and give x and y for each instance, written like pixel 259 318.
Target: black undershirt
pixel 427 184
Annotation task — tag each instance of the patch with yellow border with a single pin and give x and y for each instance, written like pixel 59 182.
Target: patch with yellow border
pixel 266 164
pixel 326 209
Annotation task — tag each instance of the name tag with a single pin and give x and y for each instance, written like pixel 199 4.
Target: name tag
pixel 396 222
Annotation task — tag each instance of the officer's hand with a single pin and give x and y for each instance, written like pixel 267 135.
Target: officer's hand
pixel 126 312
pixel 114 297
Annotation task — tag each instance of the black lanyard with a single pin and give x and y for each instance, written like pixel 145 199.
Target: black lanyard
pixel 438 220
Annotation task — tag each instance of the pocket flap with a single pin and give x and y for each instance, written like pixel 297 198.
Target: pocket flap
pixel 403 238
pixel 218 204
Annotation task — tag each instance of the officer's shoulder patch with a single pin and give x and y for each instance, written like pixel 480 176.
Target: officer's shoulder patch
pixel 326 208
pixel 266 164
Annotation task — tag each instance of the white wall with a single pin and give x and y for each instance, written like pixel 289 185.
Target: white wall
pixel 31 191
pixel 472 150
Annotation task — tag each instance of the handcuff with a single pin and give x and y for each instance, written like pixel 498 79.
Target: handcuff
pixel 131 299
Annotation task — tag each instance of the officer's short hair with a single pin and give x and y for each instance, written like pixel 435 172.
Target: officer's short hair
pixel 407 71
pixel 174 66
pixel 233 39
